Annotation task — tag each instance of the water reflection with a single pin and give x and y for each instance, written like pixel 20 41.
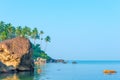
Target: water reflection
pixel 13 77
pixel 17 76
pixel 38 74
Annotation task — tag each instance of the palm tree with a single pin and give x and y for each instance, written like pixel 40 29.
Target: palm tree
pixel 3 36
pixel 11 30
pixel 34 34
pixel 47 39
pixel 28 31
pixel 2 24
pixel 18 31
pixel 41 38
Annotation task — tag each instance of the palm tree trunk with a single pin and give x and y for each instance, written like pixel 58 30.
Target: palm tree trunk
pixel 41 41
pixel 45 47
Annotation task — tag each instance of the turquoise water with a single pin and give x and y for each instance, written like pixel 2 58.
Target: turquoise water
pixel 83 70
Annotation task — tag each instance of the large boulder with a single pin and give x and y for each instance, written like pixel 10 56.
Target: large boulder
pixel 16 55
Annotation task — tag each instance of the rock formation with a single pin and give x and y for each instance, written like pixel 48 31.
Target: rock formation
pixel 40 61
pixel 16 55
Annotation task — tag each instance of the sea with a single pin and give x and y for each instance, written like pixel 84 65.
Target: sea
pixel 82 70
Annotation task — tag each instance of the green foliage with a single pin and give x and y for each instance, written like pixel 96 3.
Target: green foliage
pixel 48 39
pixel 18 31
pixel 44 56
pixel 37 52
pixel 3 35
pixel 34 34
pixel 10 30
pixel 41 33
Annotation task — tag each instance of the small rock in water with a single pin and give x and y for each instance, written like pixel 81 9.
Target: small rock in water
pixel 39 70
pixel 74 62
pixel 109 71
pixel 64 62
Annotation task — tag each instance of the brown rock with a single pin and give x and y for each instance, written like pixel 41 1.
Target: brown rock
pixel 40 61
pixel 109 71
pixel 39 71
pixel 16 54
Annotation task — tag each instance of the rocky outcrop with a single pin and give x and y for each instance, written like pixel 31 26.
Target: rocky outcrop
pixel 60 61
pixel 40 61
pixel 16 55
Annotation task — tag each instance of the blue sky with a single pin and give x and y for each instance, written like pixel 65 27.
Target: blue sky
pixel 79 29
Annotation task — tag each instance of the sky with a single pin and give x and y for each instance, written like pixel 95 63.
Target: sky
pixel 79 29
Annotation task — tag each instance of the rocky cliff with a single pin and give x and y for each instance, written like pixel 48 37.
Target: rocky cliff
pixel 16 55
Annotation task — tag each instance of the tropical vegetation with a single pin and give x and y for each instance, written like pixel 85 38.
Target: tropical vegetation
pixel 8 31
